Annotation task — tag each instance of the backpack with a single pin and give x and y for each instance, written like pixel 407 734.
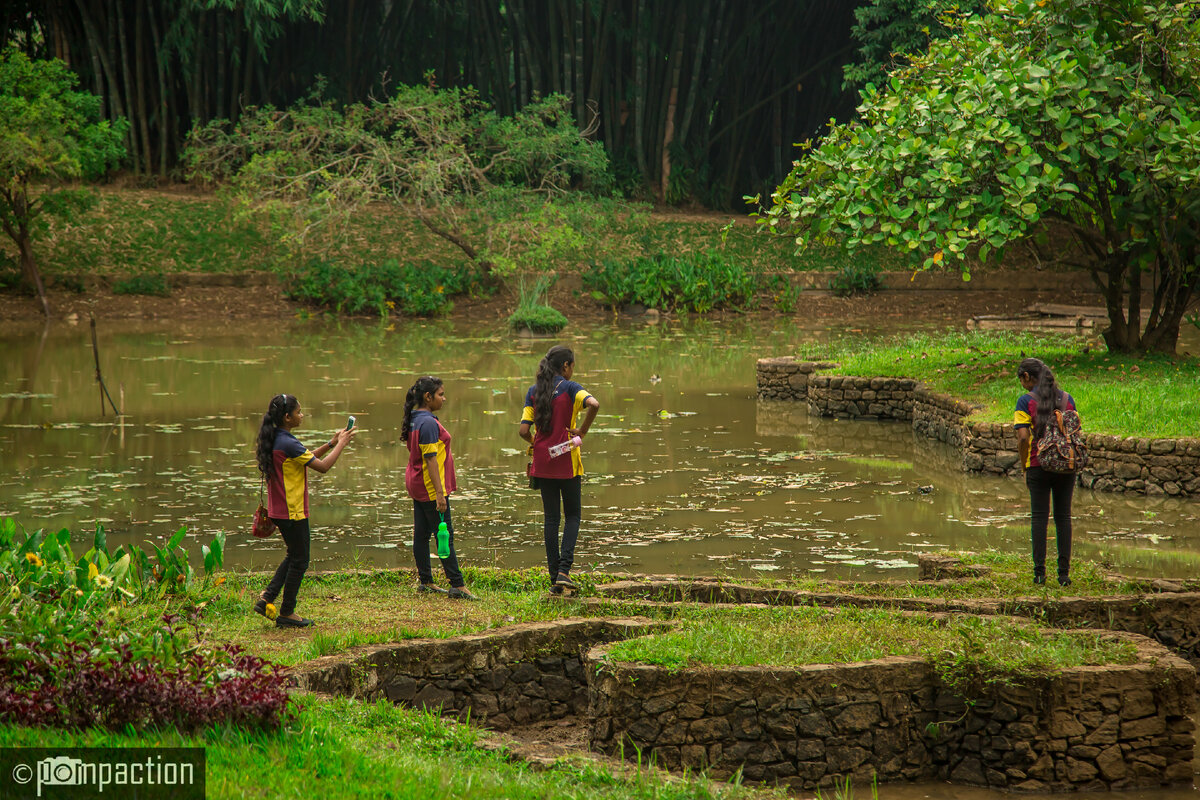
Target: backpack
pixel 1061 447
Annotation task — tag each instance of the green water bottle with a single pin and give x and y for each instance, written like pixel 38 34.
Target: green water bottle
pixel 443 539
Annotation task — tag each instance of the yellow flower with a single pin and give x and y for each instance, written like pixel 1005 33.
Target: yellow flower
pixel 272 611
pixel 93 571
pixel 34 559
pixel 220 581
pixel 440 289
pixel 103 581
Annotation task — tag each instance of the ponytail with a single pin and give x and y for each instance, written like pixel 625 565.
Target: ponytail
pixel 414 398
pixel 549 368
pixel 1045 390
pixel 281 405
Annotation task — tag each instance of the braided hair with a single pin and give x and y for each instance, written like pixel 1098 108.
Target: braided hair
pixel 281 405
pixel 1046 391
pixel 549 368
pixel 416 395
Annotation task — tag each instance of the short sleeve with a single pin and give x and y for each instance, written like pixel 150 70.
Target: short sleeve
pixel 428 435
pixel 578 395
pixel 292 448
pixel 1070 404
pixel 1021 417
pixel 527 410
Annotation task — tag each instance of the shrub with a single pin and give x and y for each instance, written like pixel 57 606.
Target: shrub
pixel 538 318
pixel 66 659
pixel 854 279
pixel 144 283
pixel 693 282
pixel 416 289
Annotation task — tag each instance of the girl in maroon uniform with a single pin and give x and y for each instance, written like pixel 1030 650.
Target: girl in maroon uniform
pixel 551 417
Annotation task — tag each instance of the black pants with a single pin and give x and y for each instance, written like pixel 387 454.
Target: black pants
pixel 291 570
pixel 570 491
pixel 1044 486
pixel 425 525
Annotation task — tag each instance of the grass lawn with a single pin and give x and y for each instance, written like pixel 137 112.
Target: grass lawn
pixel 1151 395
pixel 338 749
pixel 136 231
pixel 960 646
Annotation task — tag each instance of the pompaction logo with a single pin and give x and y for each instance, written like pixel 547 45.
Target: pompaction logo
pixel 74 773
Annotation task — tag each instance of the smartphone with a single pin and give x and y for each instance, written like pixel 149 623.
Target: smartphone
pixel 350 422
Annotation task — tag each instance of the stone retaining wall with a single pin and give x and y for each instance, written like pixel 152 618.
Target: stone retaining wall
pixel 1118 464
pixel 1171 617
pixel 1088 728
pixel 507 677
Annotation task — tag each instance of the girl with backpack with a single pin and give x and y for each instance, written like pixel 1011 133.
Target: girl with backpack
pixel 285 463
pixel 429 478
pixel 551 419
pixel 1035 413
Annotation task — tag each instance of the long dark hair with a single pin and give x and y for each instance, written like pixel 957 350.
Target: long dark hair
pixel 416 394
pixel 1045 390
pixel 281 405
pixel 549 368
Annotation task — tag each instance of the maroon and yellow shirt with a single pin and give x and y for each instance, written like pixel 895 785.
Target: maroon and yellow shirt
pixel 1024 416
pixel 568 400
pixel 287 485
pixel 428 436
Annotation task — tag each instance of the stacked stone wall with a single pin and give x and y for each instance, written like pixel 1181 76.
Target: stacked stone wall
pixel 1118 464
pixel 1170 617
pixel 524 674
pixel 1084 729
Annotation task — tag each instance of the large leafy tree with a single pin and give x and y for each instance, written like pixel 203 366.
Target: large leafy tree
pixel 50 134
pixel 1084 113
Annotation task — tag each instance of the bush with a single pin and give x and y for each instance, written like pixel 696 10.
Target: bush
pixel 67 659
pixel 538 318
pixel 144 283
pixel 854 279
pixel 693 282
pixel 419 289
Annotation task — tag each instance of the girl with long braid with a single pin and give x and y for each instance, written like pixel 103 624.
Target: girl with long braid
pixel 1035 410
pixel 285 463
pixel 550 418
pixel 429 478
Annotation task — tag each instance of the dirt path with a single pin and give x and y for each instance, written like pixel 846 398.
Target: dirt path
pixel 259 302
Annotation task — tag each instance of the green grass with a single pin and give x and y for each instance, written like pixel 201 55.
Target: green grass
pixel 961 646
pixel 338 749
pixel 181 229
pixel 1125 395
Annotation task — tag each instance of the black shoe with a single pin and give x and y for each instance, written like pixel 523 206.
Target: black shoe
pixel 261 608
pixel 288 622
pixel 564 580
pixel 429 588
pixel 1063 580
pixel 1039 579
pixel 555 589
pixel 460 593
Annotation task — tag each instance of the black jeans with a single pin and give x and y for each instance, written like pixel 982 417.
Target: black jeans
pixel 570 490
pixel 291 570
pixel 1044 486
pixel 425 525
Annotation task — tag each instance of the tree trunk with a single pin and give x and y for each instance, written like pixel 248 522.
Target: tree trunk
pixel 139 58
pixel 131 137
pixel 29 270
pixel 16 197
pixel 672 103
pixel 639 89
pixel 163 127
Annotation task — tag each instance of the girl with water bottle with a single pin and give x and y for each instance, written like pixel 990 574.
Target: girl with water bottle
pixel 429 478
pixel 550 422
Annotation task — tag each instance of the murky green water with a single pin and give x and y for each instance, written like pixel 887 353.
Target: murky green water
pixel 687 472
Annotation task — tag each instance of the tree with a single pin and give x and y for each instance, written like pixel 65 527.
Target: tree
pixel 50 133
pixel 1083 113
pixel 888 31
pixel 484 182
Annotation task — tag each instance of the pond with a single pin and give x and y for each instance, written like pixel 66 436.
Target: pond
pixel 686 471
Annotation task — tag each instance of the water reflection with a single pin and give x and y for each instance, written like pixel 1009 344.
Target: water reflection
pixel 687 472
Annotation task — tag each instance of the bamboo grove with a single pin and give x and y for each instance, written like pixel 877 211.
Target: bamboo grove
pixel 695 100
